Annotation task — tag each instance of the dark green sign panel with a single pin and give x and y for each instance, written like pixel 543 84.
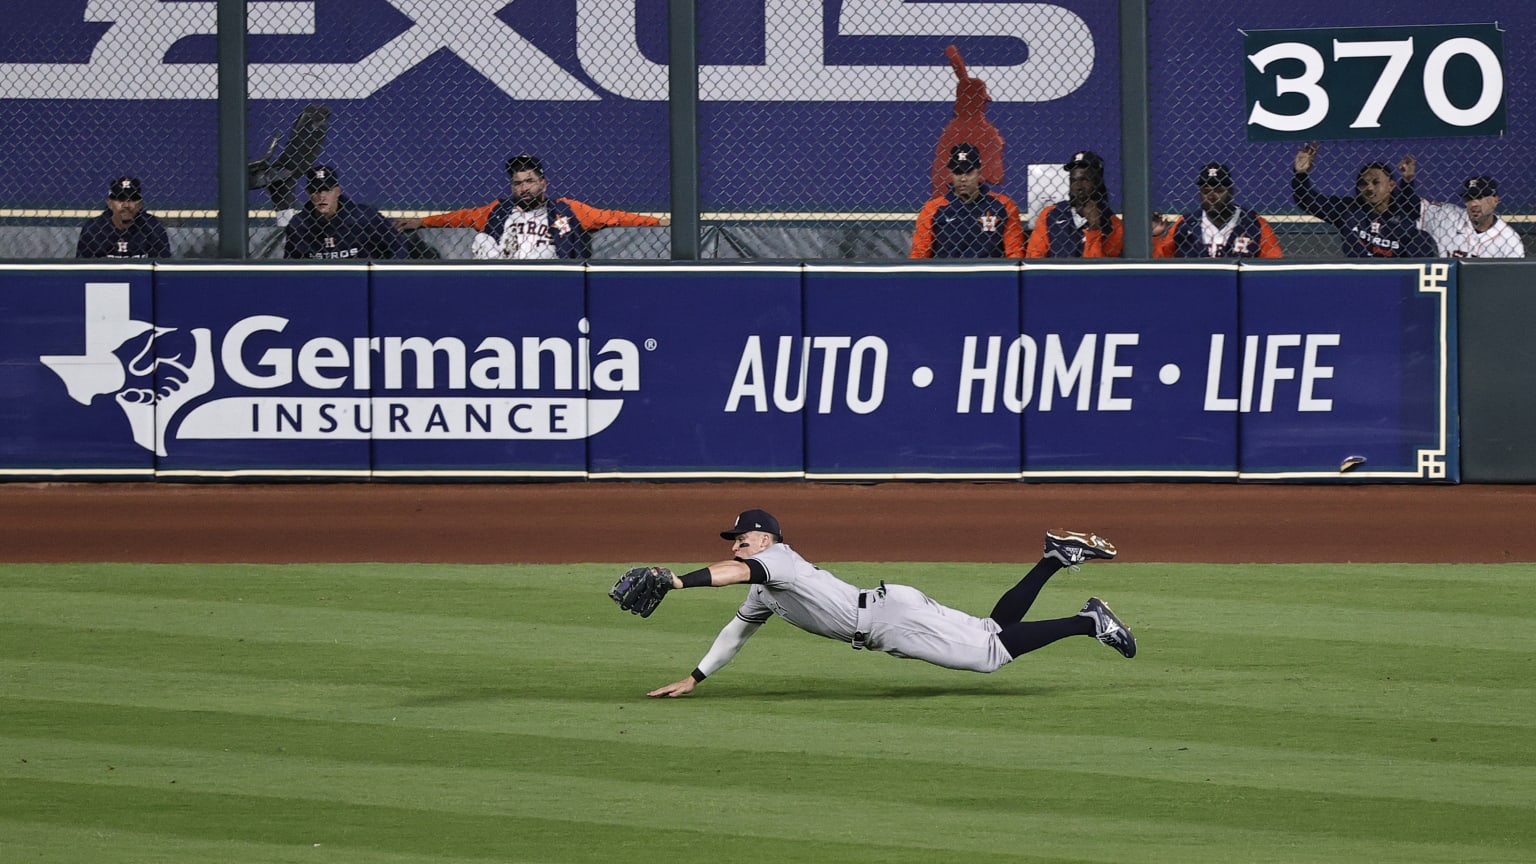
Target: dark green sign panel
pixel 1374 82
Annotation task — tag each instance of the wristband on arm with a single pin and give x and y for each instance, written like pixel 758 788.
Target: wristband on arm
pixel 696 579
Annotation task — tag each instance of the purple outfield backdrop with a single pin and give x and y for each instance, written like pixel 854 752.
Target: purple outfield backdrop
pixel 429 98
pixel 807 105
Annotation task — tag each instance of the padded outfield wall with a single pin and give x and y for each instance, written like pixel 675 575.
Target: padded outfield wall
pixel 1003 371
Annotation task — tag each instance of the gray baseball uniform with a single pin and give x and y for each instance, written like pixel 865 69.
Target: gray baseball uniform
pixel 896 619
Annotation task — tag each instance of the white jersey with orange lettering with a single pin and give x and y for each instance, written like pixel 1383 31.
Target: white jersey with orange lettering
pixel 517 234
pixel 1456 237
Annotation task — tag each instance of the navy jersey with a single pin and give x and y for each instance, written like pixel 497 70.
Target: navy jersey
pixel 1057 234
pixel 1245 235
pixel 145 238
pixel 988 227
pixel 356 231
pixel 1364 232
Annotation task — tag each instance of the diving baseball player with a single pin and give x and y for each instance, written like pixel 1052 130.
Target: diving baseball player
pixel 894 619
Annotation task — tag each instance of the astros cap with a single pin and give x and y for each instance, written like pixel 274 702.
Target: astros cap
pixel 320 178
pixel 125 189
pixel 525 162
pixel 1085 159
pixel 1479 187
pixel 964 158
pixel 1215 174
pixel 754 520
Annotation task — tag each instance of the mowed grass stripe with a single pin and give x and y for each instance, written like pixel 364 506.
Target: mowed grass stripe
pixel 1302 767
pixel 1210 746
pixel 968 820
pixel 50 843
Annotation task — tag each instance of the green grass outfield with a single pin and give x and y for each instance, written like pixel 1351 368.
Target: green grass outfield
pixel 401 714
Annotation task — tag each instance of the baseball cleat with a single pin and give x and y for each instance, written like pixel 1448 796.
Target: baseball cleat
pixel 1072 548
pixel 1109 629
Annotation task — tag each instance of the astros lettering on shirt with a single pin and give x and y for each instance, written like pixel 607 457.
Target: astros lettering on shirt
pixel 527 234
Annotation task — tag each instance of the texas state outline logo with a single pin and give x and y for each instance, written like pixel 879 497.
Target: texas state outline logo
pixel 152 373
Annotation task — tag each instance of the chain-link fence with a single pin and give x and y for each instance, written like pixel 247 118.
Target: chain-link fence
pixel 92 95
pixel 828 126
pixel 823 125
pixel 1369 89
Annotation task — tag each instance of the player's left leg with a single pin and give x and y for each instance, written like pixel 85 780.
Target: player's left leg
pixel 1062 549
pixel 1022 637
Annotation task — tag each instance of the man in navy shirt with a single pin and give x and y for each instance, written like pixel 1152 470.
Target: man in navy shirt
pixel 331 225
pixel 124 230
pixel 968 220
pixel 1379 221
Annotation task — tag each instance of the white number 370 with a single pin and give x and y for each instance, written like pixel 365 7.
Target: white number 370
pixel 1398 54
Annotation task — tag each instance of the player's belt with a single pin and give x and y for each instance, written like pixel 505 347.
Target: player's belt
pixel 866 610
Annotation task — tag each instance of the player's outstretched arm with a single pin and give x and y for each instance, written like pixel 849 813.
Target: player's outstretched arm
pixel 732 637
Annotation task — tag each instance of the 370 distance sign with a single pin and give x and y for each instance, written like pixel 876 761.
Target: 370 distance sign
pixel 1374 82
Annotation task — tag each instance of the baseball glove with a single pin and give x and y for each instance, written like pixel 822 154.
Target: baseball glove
pixel 641 589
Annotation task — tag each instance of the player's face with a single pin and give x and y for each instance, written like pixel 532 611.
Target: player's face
pixel 326 201
pixel 528 189
pixel 1216 201
pixel 1481 210
pixel 1082 184
pixel 1375 188
pixel 124 212
pixel 967 185
pixel 749 544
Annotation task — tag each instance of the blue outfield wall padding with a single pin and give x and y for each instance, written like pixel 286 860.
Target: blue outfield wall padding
pixel 995 370
pixel 712 394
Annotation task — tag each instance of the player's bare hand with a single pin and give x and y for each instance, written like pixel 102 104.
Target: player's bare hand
pixel 1408 167
pixel 1305 157
pixel 407 223
pixel 1092 213
pixel 675 689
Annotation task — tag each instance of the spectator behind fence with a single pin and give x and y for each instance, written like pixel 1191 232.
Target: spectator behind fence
pixel 528 225
pixel 1083 226
pixel 1472 230
pixel 331 225
pixel 1221 229
pixel 124 229
pixel 969 220
pixel 1380 221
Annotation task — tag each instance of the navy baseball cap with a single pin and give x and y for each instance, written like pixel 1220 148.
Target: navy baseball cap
pixel 1085 159
pixel 320 178
pixel 753 520
pixel 125 189
pixel 964 158
pixel 1479 187
pixel 525 162
pixel 1215 174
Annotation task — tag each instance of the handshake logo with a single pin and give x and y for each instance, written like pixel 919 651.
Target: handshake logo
pixel 153 373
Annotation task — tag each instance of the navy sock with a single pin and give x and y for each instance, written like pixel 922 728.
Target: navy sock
pixel 1023 637
pixel 1016 601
